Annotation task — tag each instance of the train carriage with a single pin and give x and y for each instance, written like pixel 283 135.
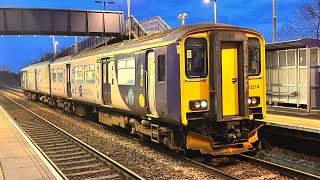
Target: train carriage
pixel 35 80
pixel 195 87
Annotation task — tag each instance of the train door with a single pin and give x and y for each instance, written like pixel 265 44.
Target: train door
pixel 25 79
pixel 151 83
pixel 35 80
pixel 107 67
pixel 69 80
pixel 230 104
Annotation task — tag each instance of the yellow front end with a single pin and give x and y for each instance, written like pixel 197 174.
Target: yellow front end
pixel 237 85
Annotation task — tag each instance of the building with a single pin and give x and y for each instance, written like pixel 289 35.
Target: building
pixel 293 73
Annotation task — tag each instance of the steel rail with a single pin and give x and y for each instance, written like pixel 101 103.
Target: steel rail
pixel 217 172
pixel 125 170
pixel 287 171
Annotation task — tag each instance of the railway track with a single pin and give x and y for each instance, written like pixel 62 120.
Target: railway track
pixel 282 171
pixel 70 156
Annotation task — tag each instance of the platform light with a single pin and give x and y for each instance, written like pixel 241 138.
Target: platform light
pixel 214 8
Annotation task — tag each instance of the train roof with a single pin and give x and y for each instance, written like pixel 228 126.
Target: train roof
pixel 37 65
pixel 170 36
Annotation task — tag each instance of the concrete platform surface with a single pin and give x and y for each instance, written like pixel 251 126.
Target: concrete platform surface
pixel 19 158
pixel 296 123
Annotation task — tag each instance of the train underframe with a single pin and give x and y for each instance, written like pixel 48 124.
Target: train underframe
pixel 206 136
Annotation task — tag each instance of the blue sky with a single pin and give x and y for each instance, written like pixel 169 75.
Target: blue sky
pixel 255 14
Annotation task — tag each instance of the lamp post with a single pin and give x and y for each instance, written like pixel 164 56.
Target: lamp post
pixel 274 21
pixel 104 9
pixel 214 8
pixel 129 17
pixel 55 43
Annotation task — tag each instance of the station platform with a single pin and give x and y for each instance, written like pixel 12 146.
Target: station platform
pixel 310 125
pixel 19 158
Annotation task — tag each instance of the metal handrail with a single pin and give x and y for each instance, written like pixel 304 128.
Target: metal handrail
pixel 139 25
pixel 283 93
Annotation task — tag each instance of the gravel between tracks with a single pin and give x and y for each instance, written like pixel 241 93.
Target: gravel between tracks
pixel 306 162
pixel 143 160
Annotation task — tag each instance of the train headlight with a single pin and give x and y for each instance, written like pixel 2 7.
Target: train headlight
pixel 254 101
pixel 204 104
pixel 198 104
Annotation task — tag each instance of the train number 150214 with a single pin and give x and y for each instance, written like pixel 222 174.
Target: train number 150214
pixel 254 86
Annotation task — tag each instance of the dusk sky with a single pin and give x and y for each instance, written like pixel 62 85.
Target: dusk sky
pixel 255 14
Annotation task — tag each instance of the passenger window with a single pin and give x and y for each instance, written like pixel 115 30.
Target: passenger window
pixel 78 74
pixel 89 75
pixel 104 73
pixel 254 56
pixel 196 60
pixel 39 75
pixel 161 68
pixel 59 75
pixel 126 71
pixel 53 75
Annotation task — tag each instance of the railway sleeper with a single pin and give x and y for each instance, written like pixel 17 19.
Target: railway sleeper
pixel 81 163
pixel 93 172
pixel 63 151
pixel 90 166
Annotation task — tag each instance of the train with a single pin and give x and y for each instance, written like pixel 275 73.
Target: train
pixel 193 88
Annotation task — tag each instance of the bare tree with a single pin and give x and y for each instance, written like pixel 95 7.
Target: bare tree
pixel 5 68
pixel 305 23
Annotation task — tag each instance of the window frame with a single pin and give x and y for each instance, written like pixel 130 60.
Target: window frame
pixel 185 58
pixel 89 68
pixel 159 68
pixel 59 71
pixel 126 67
pixel 260 57
pixel 78 69
pixel 39 75
pixel 53 72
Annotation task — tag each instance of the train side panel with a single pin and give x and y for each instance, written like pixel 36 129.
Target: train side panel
pixel 58 80
pixel 86 80
pixel 42 79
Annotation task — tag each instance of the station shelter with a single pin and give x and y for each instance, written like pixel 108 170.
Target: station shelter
pixel 293 73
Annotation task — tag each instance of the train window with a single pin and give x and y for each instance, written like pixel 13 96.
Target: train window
pixel 196 57
pixel 254 56
pixel 53 75
pixel 126 71
pixel 39 75
pixel 89 75
pixel 59 75
pixel 78 74
pixel 24 77
pixel 161 68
